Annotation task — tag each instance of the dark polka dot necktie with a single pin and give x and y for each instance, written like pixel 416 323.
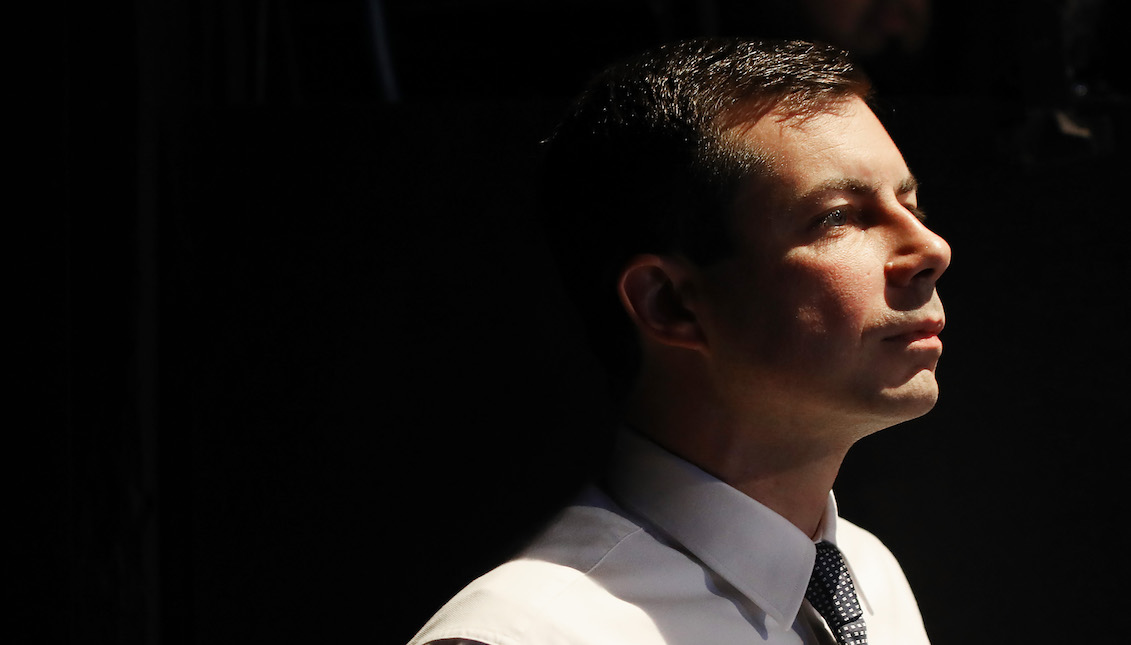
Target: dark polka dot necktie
pixel 834 597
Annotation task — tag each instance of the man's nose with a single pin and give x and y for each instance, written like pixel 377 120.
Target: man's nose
pixel 919 255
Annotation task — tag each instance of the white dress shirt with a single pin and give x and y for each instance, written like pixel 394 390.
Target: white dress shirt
pixel 667 554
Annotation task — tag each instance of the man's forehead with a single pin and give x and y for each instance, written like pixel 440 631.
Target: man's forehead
pixel 758 135
pixel 744 121
pixel 839 133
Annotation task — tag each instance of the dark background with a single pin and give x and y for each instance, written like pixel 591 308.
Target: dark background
pixel 307 364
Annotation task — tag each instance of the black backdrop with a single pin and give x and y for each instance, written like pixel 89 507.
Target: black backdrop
pixel 316 372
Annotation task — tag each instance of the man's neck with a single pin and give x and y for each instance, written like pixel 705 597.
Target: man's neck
pixel 797 487
pixel 796 490
pixel 785 465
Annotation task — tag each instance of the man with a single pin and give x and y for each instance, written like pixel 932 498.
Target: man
pixel 740 210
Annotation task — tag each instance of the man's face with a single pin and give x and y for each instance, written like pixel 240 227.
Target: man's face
pixel 827 312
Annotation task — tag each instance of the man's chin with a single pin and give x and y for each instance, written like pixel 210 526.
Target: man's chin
pixel 913 398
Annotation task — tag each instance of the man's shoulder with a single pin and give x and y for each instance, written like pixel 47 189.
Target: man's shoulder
pixel 852 537
pixel 583 533
pixel 864 550
pixel 539 595
pixel 883 586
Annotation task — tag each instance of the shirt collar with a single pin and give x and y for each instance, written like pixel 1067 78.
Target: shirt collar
pixel 765 557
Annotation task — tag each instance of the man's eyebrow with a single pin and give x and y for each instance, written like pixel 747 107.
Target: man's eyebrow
pixel 856 186
pixel 909 185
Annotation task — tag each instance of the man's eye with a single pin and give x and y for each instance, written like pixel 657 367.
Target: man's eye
pixel 918 212
pixel 838 217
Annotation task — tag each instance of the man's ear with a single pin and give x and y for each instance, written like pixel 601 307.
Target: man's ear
pixel 655 291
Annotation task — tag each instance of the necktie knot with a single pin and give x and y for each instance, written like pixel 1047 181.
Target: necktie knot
pixel 833 595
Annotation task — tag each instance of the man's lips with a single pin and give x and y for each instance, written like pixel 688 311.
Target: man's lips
pixel 916 331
